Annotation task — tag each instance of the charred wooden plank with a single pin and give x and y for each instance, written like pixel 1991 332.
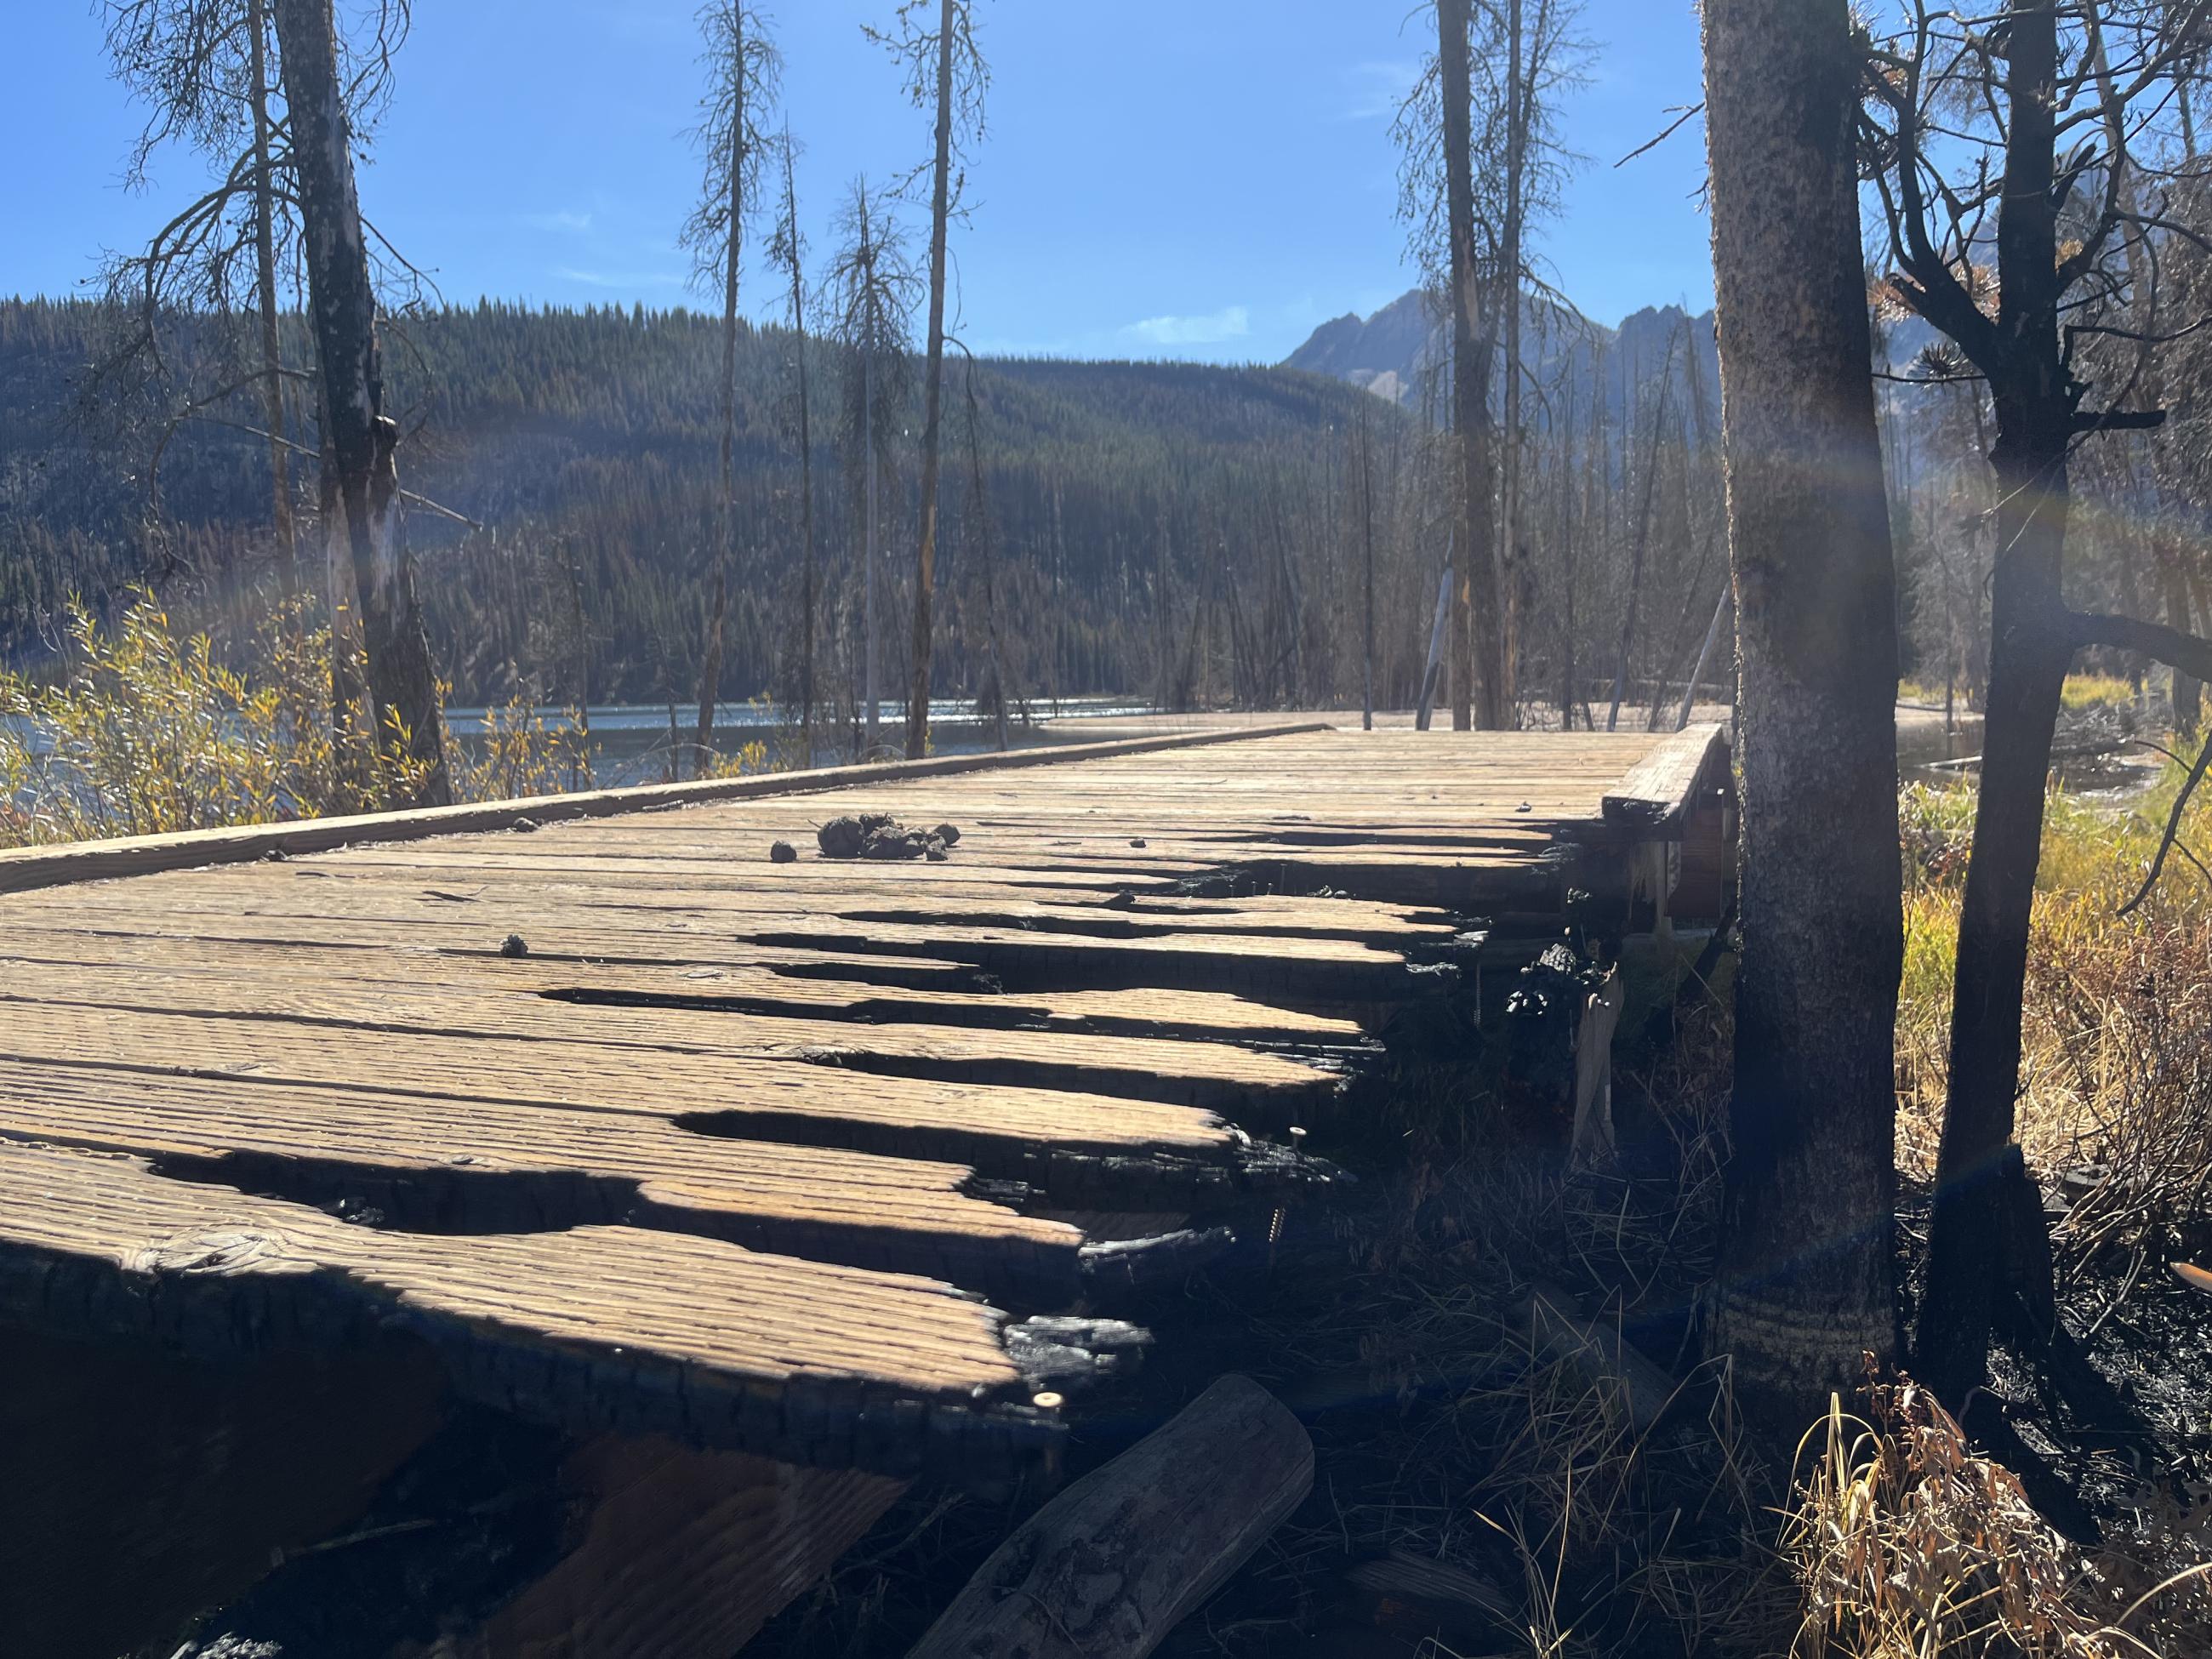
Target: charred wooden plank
pixel 1111 1565
pixel 599 1327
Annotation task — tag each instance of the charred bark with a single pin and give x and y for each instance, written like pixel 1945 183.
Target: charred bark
pixel 264 274
pixel 359 438
pixel 933 391
pixel 2031 647
pixel 1475 620
pixel 1805 1279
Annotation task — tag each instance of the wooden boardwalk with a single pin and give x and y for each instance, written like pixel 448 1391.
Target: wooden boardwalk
pixel 773 1158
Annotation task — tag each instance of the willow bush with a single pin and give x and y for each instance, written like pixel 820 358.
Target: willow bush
pixel 149 731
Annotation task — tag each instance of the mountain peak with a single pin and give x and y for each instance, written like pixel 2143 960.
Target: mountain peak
pixel 1400 352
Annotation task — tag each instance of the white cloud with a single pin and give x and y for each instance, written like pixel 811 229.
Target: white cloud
pixel 563 219
pixel 1375 90
pixel 622 279
pixel 1229 322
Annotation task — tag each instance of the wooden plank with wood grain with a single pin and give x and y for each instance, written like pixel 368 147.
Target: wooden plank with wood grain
pixel 644 1133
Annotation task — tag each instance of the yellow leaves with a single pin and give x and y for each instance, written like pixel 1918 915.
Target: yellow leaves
pixel 521 754
pixel 148 733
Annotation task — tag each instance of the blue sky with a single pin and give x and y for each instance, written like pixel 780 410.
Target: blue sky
pixel 1202 179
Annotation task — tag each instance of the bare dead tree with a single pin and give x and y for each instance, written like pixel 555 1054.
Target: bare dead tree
pixel 742 71
pixel 982 540
pixel 1642 536
pixel 2025 132
pixel 873 286
pixel 1479 160
pixel 202 68
pixel 945 72
pixel 1545 56
pixel 360 490
pixel 1477 655
pixel 788 248
pixel 1366 571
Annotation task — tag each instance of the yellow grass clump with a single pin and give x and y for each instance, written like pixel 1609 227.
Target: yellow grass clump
pixel 2116 1023
pixel 1906 1545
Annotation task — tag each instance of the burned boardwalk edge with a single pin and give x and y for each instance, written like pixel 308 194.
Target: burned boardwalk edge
pixel 803 1158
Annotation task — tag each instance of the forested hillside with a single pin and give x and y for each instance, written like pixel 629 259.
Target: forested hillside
pixel 583 443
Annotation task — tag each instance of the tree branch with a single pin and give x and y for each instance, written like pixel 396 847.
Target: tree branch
pixel 2172 838
pixel 2118 419
pixel 2187 652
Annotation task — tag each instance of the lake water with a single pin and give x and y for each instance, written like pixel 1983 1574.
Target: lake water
pixel 630 741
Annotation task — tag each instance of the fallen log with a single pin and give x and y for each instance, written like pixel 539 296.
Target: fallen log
pixel 1111 1565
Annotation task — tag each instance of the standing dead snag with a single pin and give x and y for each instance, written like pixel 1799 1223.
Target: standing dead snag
pixel 264 289
pixel 742 69
pixel 872 283
pixel 1111 1565
pixel 1475 670
pixel 1478 162
pixel 945 71
pixel 205 68
pixel 789 249
pixel 983 538
pixel 2060 104
pixel 361 481
pixel 1804 1281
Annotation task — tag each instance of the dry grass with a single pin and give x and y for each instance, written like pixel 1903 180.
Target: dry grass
pixel 2116 1026
pixel 1498 1451
pixel 1904 1545
pixel 2096 691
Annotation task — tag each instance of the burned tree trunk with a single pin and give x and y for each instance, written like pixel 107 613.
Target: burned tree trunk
pixel 1642 542
pixel 1805 1280
pixel 808 633
pixel 1475 690
pixel 726 516
pixel 358 437
pixel 265 273
pixel 2030 649
pixel 2032 645
pixel 932 390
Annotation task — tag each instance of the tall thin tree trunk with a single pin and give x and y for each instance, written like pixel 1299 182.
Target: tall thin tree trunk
pixel 1804 1286
pixel 1445 590
pixel 265 273
pixel 1568 561
pixel 868 540
pixel 1475 666
pixel 2188 693
pixel 725 526
pixel 1704 659
pixel 1367 574
pixel 810 580
pixel 807 579
pixel 932 392
pixel 2029 652
pixel 1509 551
pixel 979 508
pixel 1160 667
pixel 1059 594
pixel 1643 540
pixel 359 438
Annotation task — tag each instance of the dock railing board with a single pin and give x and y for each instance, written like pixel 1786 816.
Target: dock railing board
pixel 1658 795
pixel 592 1112
pixel 25 867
